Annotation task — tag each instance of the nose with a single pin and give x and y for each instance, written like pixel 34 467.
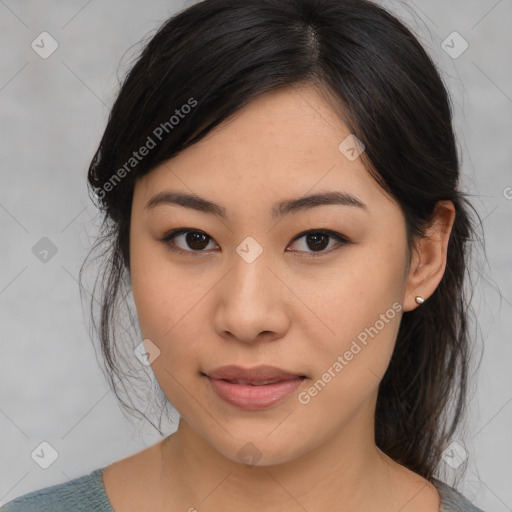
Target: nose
pixel 251 303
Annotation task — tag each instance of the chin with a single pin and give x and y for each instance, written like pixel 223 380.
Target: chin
pixel 258 451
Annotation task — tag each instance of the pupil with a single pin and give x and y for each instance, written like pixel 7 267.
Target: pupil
pixel 315 238
pixel 196 240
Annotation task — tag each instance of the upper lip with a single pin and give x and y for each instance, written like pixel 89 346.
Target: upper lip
pixel 256 374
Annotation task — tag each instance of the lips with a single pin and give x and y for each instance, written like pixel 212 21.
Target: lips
pixel 259 375
pixel 253 388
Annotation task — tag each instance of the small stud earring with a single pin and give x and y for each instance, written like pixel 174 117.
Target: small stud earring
pixel 419 300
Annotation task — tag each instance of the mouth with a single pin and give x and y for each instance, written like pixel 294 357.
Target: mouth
pixel 253 383
pixel 258 375
pixel 253 388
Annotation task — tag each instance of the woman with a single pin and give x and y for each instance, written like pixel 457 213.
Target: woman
pixel 279 181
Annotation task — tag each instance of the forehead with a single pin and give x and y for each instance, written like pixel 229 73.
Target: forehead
pixel 284 143
pixel 278 128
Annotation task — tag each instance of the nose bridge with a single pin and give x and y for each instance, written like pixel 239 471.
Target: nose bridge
pixel 250 274
pixel 250 301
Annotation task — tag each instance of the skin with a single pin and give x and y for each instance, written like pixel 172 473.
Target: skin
pixel 287 308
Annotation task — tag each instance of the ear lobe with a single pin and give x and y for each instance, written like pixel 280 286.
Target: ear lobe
pixel 429 256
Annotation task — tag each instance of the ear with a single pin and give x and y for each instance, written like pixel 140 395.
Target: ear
pixel 429 256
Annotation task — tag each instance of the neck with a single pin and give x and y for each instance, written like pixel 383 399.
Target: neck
pixel 346 469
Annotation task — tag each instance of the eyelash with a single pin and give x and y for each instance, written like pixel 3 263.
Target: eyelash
pixel 168 238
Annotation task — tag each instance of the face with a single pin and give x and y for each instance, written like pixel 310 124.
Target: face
pixel 314 289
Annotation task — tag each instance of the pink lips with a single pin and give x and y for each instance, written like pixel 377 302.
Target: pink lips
pixel 254 388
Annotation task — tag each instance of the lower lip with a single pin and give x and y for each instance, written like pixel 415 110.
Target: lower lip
pixel 246 396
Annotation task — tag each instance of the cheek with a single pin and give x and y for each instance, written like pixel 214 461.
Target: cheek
pixel 358 309
pixel 168 303
pixel 169 320
pixel 349 370
pixel 162 294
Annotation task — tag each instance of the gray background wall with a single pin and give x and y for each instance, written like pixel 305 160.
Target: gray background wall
pixel 53 112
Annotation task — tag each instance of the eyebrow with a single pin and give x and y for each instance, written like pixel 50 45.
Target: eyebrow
pixel 281 209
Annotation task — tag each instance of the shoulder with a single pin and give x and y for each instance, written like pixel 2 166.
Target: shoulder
pixel 85 493
pixel 452 500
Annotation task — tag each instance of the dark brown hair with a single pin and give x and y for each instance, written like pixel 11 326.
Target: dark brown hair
pixel 218 55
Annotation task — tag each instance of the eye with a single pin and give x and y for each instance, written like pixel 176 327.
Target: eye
pixel 194 239
pixel 198 241
pixel 318 240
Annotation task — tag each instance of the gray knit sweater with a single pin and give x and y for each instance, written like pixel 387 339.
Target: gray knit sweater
pixel 87 494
